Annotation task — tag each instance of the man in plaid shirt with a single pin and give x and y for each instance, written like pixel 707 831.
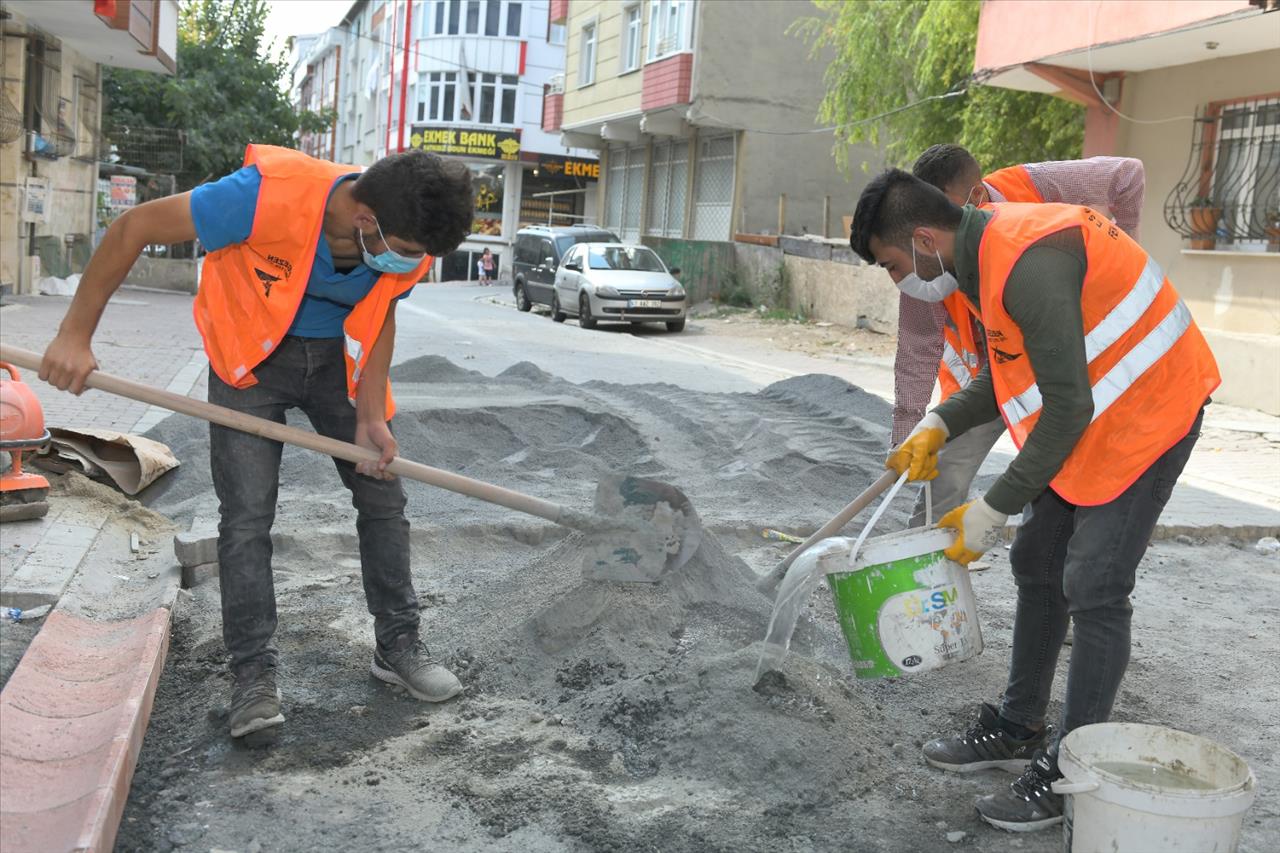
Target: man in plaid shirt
pixel 1113 185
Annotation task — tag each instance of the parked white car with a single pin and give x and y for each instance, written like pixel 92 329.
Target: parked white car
pixel 617 282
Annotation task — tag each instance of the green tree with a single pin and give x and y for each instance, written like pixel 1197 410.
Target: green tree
pixel 228 91
pixel 895 54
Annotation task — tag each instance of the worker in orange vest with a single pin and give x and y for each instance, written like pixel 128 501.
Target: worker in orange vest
pixel 296 307
pixel 938 338
pixel 1101 376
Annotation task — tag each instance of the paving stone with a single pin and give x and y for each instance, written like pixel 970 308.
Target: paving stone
pixel 196 575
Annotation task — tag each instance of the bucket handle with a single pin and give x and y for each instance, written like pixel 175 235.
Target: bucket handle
pixel 1062 786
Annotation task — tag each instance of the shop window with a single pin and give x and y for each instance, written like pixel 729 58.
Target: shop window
pixel 631 38
pixel 1229 194
pixel 587 56
pixel 670 27
pixel 713 188
pixel 487 182
pixel 667 181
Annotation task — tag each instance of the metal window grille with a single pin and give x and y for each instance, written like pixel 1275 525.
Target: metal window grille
pixel 49 115
pixel 713 188
pixel 1230 189
pixel 634 203
pixel 155 149
pixel 615 189
pixel 88 138
pixel 667 189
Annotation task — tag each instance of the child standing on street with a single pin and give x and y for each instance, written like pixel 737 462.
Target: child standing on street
pixel 485 266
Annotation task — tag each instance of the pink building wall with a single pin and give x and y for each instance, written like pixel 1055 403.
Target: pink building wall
pixel 1012 32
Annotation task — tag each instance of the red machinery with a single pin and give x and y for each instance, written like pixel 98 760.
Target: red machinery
pixel 22 495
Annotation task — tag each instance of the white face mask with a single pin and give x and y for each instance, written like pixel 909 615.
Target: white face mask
pixel 933 290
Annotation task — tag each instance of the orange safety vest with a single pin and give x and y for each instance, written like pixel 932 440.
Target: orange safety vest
pixel 961 361
pixel 1149 365
pixel 250 292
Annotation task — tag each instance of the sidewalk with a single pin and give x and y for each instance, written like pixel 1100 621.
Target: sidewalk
pixel 148 336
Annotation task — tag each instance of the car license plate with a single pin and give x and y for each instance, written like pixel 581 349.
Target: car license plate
pixel 644 303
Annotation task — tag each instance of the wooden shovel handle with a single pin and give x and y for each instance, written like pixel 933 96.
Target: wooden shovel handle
pixel 308 440
pixel 769 582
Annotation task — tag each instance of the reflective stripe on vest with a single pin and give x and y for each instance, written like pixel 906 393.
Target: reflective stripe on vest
pixel 955 365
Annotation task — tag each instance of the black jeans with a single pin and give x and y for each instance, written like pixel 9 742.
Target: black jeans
pixel 309 374
pixel 1081 562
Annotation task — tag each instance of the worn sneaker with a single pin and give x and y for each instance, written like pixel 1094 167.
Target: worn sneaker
pixel 986 745
pixel 1029 803
pixel 408 664
pixel 255 702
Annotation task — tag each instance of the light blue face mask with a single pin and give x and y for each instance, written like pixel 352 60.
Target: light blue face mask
pixel 387 261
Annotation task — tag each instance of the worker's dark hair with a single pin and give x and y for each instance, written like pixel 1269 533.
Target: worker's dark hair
pixel 420 197
pixel 942 165
pixel 893 205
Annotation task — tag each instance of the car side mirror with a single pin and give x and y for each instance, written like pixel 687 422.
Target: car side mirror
pixel 675 270
pixel 549 261
pixel 573 265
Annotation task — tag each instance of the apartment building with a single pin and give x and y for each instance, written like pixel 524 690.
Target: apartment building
pixel 1193 90
pixel 700 110
pixel 464 79
pixel 51 60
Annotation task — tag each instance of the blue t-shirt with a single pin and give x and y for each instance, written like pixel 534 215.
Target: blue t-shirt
pixel 223 212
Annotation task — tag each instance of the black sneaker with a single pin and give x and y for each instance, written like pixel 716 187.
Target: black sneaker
pixel 255 702
pixel 1030 803
pixel 408 664
pixel 985 746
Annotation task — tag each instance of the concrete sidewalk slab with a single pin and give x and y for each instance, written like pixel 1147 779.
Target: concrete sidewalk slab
pixel 39 558
pixel 72 719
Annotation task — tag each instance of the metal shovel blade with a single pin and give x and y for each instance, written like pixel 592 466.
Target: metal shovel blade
pixel 646 528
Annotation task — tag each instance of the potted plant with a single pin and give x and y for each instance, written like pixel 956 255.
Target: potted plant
pixel 1204 222
pixel 1272 229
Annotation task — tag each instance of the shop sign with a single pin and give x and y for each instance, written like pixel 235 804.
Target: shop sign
pixel 35 200
pixel 489 144
pixel 124 192
pixel 570 167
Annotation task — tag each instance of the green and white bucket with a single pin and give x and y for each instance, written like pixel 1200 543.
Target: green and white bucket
pixel 903 606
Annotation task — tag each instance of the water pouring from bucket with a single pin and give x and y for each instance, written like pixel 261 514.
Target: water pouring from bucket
pixel 903 606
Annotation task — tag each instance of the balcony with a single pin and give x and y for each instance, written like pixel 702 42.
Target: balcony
pixel 139 34
pixel 667 82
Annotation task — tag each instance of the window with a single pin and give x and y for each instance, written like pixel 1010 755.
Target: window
pixel 437 96
pixel 624 258
pixel 513 19
pixel 557 34
pixel 438 27
pixel 473 17
pixel 1229 195
pixel 624 191
pixel 713 188
pixel 455 10
pixel 492 16
pixel 631 39
pixel 587 56
pixel 667 188
pixel 670 27
pixel 508 87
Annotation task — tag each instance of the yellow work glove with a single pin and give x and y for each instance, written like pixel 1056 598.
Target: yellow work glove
pixel 978 527
pixel 918 455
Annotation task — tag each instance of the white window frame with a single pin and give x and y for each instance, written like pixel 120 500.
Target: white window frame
pixel 466 17
pixel 431 82
pixel 505 29
pixel 588 41
pixel 670 28
pixel 632 44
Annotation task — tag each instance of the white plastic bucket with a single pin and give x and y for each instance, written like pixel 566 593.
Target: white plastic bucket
pixel 1193 802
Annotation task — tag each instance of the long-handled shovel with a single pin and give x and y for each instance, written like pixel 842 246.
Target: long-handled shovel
pixel 641 529
pixel 770 582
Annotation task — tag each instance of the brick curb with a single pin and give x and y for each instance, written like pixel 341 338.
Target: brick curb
pixel 72 719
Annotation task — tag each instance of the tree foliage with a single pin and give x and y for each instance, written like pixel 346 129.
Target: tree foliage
pixel 889 55
pixel 228 90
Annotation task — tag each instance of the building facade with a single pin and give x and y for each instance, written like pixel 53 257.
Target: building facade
pixel 700 110
pixel 461 78
pixel 1193 90
pixel 50 122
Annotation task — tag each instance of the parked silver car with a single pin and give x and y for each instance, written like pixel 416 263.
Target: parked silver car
pixel 617 282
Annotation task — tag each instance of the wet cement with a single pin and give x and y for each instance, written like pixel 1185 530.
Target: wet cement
pixel 600 716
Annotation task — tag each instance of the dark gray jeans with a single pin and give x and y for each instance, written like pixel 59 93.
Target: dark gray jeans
pixel 308 374
pixel 1081 562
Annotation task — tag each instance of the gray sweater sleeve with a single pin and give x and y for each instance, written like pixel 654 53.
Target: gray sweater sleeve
pixel 1043 297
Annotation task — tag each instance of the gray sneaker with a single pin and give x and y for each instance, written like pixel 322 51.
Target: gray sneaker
pixel 255 702
pixel 985 746
pixel 408 664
